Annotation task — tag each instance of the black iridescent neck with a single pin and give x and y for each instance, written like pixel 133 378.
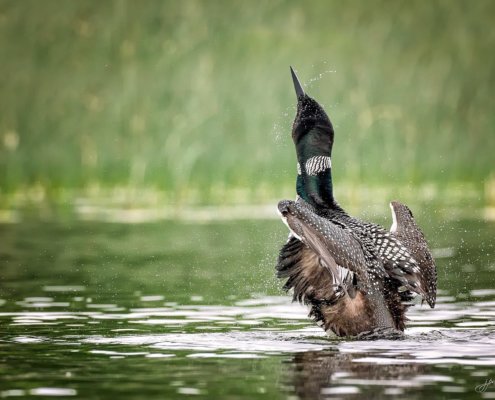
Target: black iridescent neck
pixel 316 190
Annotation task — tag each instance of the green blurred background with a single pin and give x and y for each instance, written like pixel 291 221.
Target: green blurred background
pixel 191 102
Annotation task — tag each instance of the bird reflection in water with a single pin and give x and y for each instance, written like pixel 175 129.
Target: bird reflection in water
pixel 332 374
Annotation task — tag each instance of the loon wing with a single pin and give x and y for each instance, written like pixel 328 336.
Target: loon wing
pixel 310 280
pixel 334 245
pixel 363 248
pixel 405 229
pixel 396 258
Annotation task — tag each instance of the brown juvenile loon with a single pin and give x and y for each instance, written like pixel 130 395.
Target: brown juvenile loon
pixel 356 277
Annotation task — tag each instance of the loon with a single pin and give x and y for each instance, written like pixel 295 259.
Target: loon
pixel 357 277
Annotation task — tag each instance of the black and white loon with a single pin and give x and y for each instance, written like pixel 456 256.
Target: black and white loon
pixel 357 277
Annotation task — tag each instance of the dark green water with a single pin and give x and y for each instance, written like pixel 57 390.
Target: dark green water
pixel 175 310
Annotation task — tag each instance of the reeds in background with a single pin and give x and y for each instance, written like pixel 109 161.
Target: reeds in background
pixel 193 99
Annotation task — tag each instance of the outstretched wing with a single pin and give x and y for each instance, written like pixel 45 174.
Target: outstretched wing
pixel 335 246
pixel 410 235
pixel 396 258
pixel 311 281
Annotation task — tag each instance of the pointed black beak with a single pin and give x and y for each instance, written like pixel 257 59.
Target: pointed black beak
pixel 297 84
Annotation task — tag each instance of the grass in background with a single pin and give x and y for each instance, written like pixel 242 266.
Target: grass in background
pixel 193 99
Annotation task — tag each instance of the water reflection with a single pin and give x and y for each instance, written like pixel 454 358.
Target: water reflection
pixel 325 374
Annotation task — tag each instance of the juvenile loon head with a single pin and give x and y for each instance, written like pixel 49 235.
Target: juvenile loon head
pixel 313 135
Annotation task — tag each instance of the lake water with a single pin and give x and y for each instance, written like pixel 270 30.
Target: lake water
pixel 186 310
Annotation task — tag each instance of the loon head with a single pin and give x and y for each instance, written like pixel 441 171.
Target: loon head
pixel 312 131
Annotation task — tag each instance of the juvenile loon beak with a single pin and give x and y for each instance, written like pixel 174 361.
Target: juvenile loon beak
pixel 297 84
